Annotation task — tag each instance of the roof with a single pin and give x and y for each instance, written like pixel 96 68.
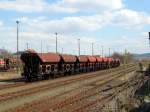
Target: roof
pixel 83 58
pixel 99 59
pixel 30 51
pixel 44 57
pixel 105 59
pixel 91 58
pixel 69 58
pixel 110 59
pixel 49 57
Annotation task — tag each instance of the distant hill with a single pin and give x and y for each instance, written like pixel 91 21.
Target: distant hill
pixel 142 56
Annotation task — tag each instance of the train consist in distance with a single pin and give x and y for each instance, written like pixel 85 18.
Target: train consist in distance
pixel 7 64
pixel 44 65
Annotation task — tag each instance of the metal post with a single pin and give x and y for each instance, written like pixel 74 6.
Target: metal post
pixel 149 38
pixel 92 49
pixel 56 41
pixel 109 52
pixel 27 44
pixel 102 50
pixel 17 46
pixel 62 50
pixel 41 47
pixel 79 47
pixel 47 47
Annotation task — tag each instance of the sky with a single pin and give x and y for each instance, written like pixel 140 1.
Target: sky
pixel 114 24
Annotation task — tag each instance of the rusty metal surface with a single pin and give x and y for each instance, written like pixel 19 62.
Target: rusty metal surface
pixel 99 59
pixel 105 59
pixel 82 58
pixel 44 57
pixel 2 62
pixel 30 51
pixel 69 58
pixel 91 59
pixel 49 57
pixel 110 59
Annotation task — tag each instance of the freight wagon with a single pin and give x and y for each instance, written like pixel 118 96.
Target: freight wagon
pixel 44 65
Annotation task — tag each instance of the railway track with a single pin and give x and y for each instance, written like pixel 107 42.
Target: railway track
pixel 108 98
pixel 87 107
pixel 78 97
pixel 25 92
pixel 17 84
pixel 86 94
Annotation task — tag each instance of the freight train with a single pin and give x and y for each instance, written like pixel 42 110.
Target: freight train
pixel 7 64
pixel 45 65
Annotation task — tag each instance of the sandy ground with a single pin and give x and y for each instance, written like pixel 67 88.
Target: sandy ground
pixel 9 75
pixel 48 93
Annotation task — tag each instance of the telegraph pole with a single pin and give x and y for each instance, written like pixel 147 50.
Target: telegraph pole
pixel 56 41
pixel 17 46
pixel 79 47
pixel 92 48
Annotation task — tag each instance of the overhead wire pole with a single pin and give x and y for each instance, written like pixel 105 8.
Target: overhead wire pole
pixel 27 44
pixel 47 48
pixel 62 50
pixel 56 41
pixel 149 38
pixel 79 47
pixel 109 52
pixel 17 46
pixel 41 47
pixel 92 48
pixel 102 50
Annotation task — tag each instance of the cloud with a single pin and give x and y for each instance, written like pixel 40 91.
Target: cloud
pixel 91 16
pixel 69 25
pixel 1 23
pixel 68 6
pixel 91 5
pixel 68 41
pixel 130 18
pixel 133 44
pixel 102 13
pixel 34 37
pixel 23 5
pixel 80 24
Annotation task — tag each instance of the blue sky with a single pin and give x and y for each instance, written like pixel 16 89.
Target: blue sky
pixel 115 24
